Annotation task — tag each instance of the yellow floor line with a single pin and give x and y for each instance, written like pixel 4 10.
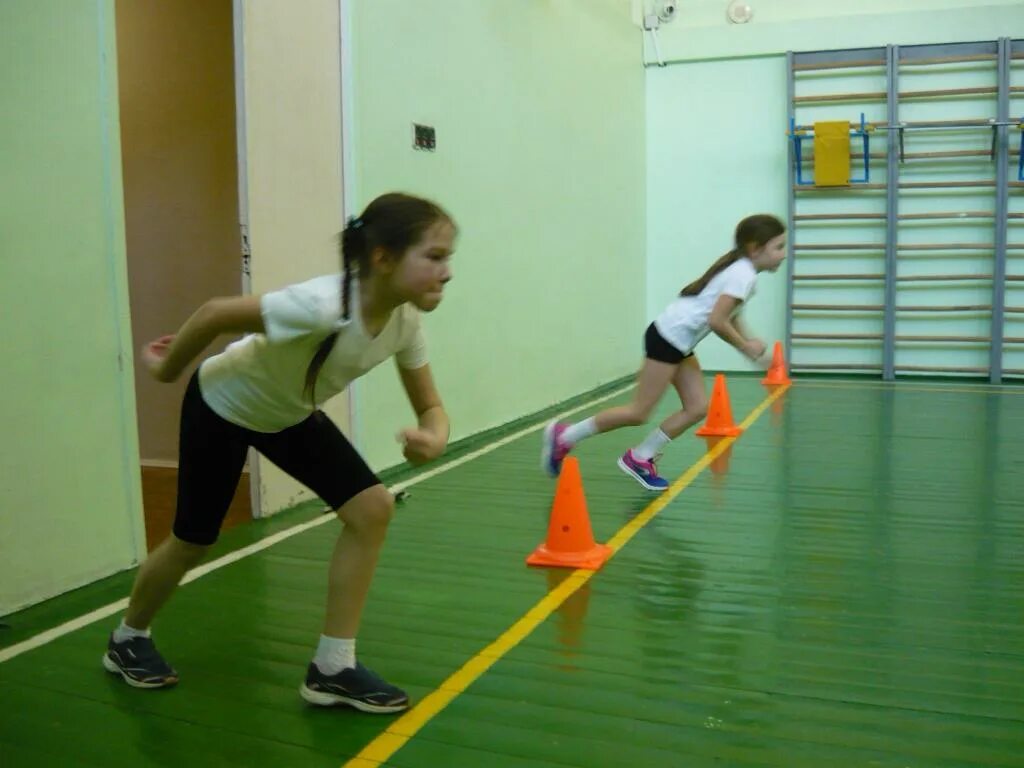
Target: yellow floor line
pixel 404 728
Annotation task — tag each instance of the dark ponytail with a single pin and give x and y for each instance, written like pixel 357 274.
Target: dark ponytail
pixel 393 222
pixel 757 229
pixel 694 288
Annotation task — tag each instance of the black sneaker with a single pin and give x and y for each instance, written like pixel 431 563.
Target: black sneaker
pixel 356 686
pixel 139 662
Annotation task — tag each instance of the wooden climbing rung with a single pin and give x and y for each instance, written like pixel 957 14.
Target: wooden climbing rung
pixel 839 65
pixel 925 339
pixel 831 97
pixel 975 91
pixel 912 308
pixel 984 90
pixel 929 339
pixel 945 184
pixel 807 158
pixel 941 368
pixel 839 216
pixel 838 307
pixel 939 278
pixel 840 247
pixel 901 278
pixel 901 337
pixel 907 185
pixel 901 217
pixel 973 122
pixel 945 247
pixel 839 277
pixel 849 188
pixel 946 215
pixel 946 308
pixel 839 336
pixel 902 247
pixel 948 59
pixel 943 155
pixel 835 366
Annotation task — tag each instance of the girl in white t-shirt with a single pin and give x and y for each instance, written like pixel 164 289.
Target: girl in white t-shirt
pixel 712 303
pixel 305 344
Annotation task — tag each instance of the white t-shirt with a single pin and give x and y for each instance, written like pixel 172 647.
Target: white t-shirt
pixel 684 322
pixel 258 382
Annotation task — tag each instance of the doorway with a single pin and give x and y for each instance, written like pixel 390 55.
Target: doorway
pixel 176 82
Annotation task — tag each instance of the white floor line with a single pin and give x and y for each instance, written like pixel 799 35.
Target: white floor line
pixel 6 654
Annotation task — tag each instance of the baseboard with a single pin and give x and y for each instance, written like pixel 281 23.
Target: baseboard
pixel 162 464
pixel 158 463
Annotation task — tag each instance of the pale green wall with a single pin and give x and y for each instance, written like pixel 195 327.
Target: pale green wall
pixel 715 155
pixel 716 122
pixel 539 114
pixel 69 497
pixel 701 30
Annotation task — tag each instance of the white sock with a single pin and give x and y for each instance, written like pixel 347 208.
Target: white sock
pixel 579 431
pixel 124 632
pixel 652 446
pixel 335 654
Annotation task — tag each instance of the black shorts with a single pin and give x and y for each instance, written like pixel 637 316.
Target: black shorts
pixel 212 453
pixel 657 348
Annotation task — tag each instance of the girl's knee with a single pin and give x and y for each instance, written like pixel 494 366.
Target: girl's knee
pixel 698 409
pixel 187 552
pixel 373 508
pixel 638 415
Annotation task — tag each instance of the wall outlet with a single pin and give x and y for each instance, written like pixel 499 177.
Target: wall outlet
pixel 423 137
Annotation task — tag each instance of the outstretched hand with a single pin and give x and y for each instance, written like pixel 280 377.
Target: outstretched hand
pixel 754 349
pixel 154 355
pixel 419 445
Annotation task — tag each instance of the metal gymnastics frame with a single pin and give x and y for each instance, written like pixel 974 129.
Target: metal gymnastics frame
pixel 1001 52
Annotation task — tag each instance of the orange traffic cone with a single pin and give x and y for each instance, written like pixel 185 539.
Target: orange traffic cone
pixel 719 422
pixel 570 542
pixel 777 371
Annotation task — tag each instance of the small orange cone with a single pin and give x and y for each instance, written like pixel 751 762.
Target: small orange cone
pixel 777 371
pixel 570 542
pixel 719 422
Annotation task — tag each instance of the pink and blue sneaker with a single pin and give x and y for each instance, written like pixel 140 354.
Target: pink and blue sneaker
pixel 553 450
pixel 643 471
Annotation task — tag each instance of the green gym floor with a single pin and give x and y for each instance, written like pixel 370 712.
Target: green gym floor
pixel 842 585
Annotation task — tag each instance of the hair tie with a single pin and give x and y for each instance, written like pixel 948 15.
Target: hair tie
pixel 354 222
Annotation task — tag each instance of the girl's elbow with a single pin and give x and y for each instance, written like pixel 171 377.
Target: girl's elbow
pixel 209 311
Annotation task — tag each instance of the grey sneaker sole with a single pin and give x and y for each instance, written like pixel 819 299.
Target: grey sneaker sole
pixel 111 666
pixel 324 699
pixel 639 478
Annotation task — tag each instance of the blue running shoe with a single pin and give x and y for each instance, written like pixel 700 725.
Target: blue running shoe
pixel 553 450
pixel 643 471
pixel 139 663
pixel 355 687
